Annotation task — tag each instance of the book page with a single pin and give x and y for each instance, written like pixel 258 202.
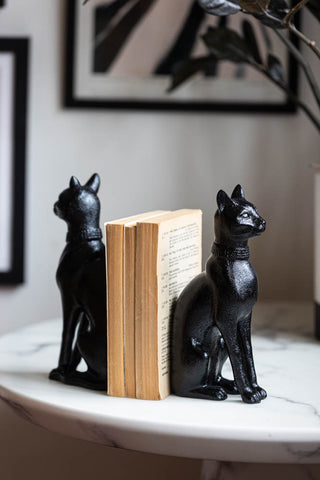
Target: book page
pixel 179 261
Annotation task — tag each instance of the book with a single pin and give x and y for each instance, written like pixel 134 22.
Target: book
pixel 120 267
pixel 168 257
pixel 129 267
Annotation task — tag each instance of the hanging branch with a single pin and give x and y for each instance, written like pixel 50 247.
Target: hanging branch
pixel 288 22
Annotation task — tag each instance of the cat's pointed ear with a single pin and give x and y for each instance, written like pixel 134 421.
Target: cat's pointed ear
pixel 223 200
pixel 94 182
pixel 237 192
pixel 74 183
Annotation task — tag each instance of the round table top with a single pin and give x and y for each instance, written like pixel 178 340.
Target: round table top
pixel 283 428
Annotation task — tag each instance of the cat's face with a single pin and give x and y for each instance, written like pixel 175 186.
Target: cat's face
pixel 239 218
pixel 68 203
pixel 78 201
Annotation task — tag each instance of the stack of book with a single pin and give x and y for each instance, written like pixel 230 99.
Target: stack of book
pixel 150 259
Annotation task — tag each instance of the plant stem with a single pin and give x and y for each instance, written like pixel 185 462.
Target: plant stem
pixel 289 17
pixel 288 22
pixel 290 94
pixel 311 43
pixel 303 63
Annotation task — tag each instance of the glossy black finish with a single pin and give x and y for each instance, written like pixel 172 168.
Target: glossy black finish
pixel 81 278
pixel 212 316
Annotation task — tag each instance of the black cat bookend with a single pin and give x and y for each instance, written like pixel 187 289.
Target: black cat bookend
pixel 212 316
pixel 81 278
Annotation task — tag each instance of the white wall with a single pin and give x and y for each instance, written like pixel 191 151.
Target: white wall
pixel 148 161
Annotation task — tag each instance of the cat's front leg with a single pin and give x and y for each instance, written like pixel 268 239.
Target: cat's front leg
pixel 244 332
pixel 227 325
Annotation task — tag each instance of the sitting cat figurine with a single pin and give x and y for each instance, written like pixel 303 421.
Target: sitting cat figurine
pixel 81 277
pixel 212 316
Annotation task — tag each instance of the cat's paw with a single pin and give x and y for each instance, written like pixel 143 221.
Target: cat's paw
pixel 208 392
pixel 251 396
pixel 218 394
pixel 58 374
pixel 229 386
pixel 261 391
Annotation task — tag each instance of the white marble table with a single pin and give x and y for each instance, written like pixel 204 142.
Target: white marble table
pixel 285 428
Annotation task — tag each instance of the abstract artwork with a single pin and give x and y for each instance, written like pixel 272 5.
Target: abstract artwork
pixel 123 53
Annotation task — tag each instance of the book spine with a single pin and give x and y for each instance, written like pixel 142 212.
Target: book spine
pixel 129 310
pixel 115 350
pixel 146 321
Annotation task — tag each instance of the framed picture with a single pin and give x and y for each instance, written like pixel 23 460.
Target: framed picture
pixel 121 54
pixel 13 103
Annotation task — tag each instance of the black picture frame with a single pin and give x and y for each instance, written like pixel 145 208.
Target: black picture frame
pixel 18 48
pixel 71 100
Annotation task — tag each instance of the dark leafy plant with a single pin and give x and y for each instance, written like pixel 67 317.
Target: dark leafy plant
pixel 226 44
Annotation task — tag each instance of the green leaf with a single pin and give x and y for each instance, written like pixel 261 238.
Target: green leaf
pixel 189 68
pixel 226 44
pixel 275 69
pixel 251 41
pixel 254 6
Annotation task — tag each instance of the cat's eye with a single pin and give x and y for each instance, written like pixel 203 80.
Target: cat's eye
pixel 245 215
